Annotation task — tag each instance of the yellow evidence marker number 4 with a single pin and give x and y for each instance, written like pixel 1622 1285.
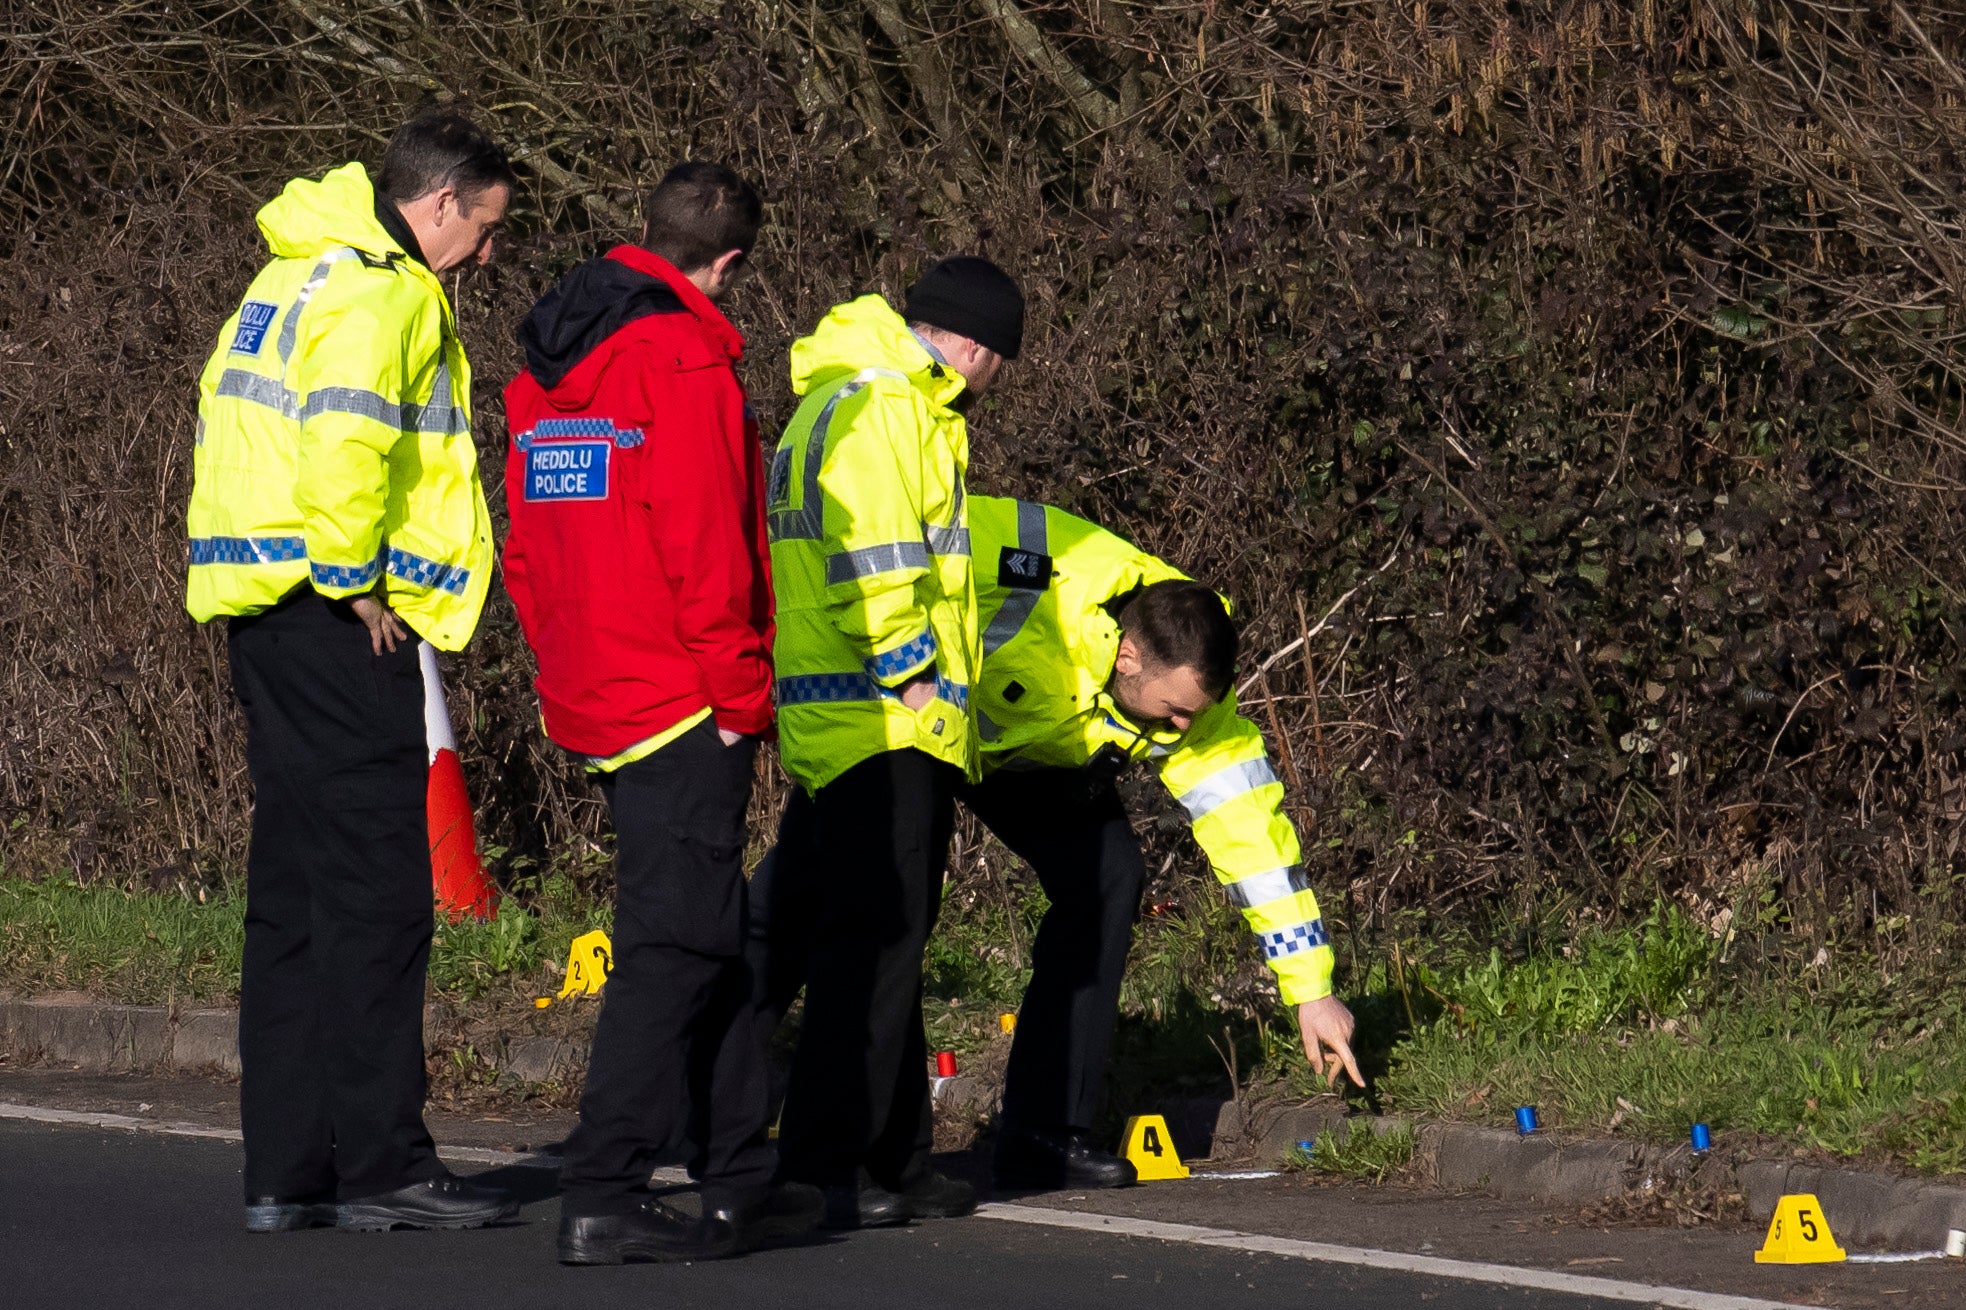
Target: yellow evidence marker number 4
pixel 1799 1235
pixel 588 964
pixel 1149 1147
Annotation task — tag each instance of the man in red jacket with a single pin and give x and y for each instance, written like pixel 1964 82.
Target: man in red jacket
pixel 638 563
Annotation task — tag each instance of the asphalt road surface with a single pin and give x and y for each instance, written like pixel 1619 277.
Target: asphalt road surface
pixel 90 1217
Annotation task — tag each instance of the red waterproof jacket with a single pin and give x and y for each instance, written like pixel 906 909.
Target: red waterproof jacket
pixel 637 555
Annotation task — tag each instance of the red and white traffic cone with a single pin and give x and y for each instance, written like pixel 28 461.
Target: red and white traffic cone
pixel 457 876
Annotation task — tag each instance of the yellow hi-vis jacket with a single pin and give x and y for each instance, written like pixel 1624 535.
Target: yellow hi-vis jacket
pixel 870 550
pixel 1046 587
pixel 334 428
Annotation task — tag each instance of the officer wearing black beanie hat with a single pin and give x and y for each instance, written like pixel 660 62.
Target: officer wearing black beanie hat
pixel 877 650
pixel 970 297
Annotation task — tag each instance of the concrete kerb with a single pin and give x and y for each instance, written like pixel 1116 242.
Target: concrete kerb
pixel 1868 1207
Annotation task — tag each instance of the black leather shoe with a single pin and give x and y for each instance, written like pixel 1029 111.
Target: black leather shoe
pixel 938 1196
pixel 653 1233
pixel 269 1214
pixel 1054 1160
pixel 788 1211
pixel 442 1202
pixel 864 1205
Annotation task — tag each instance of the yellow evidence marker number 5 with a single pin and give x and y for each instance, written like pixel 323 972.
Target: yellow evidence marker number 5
pixel 588 964
pixel 1799 1235
pixel 1149 1147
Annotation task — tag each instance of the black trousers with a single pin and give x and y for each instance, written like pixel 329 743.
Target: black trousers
pixel 866 855
pixel 676 1062
pixel 338 906
pixel 1071 828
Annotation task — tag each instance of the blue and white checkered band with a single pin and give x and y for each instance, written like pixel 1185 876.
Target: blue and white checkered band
pixel 578 429
pixel 834 688
pixel 1297 937
pixel 902 658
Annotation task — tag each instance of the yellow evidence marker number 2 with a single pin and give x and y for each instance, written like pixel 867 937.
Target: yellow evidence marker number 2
pixel 589 963
pixel 1799 1235
pixel 1149 1147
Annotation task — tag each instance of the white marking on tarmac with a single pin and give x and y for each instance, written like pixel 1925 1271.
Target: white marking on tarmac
pixel 91 1119
pixel 1434 1266
pixel 131 1123
pixel 1237 1176
pixel 1115 1225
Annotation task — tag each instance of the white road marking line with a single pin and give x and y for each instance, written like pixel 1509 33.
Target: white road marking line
pixel 91 1119
pixel 1434 1266
pixel 1237 1175
pixel 1399 1261
pixel 467 1154
pixel 131 1123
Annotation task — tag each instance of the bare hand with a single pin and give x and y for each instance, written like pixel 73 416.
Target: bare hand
pixel 385 629
pixel 728 737
pixel 918 693
pixel 1326 1022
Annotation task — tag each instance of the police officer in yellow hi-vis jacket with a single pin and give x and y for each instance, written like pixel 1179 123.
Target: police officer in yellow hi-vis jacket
pixel 876 651
pixel 1097 655
pixel 336 510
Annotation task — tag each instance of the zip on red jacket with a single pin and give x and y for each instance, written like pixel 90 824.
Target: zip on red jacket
pixel 637 555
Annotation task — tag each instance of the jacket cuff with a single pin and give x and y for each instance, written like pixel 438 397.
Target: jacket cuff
pixel 749 721
pixel 1305 976
pixel 339 581
pixel 896 666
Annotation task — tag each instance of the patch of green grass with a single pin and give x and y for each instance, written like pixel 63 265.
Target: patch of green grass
pixel 136 947
pixel 1355 1151
pixel 1648 1030
pixel 153 948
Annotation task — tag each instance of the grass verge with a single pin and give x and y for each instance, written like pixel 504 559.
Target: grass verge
pixel 1641 1030
pixel 1649 1030
pixel 160 948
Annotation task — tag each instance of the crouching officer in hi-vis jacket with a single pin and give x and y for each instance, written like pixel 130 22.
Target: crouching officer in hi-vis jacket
pixel 335 511
pixel 1097 655
pixel 875 654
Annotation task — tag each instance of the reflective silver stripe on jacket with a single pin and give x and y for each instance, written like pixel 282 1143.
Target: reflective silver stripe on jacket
pixel 808 521
pixel 946 541
pixel 1262 888
pixel 290 326
pixel 1017 606
pixel 847 565
pixel 257 389
pixel 440 415
pixel 951 540
pixel 1225 785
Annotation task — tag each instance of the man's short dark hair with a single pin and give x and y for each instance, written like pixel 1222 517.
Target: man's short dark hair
pixel 1182 624
pixel 442 148
pixel 699 212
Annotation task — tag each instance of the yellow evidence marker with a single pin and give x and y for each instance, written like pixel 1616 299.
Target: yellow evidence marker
pixel 588 964
pixel 1150 1148
pixel 1007 1022
pixel 1799 1235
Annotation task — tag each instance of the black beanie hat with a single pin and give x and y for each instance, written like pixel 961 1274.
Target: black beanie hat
pixel 972 298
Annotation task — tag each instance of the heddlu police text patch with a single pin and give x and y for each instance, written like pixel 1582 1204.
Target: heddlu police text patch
pixel 568 470
pixel 255 316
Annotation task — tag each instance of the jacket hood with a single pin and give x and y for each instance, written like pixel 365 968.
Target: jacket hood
pixel 867 333
pixel 310 218
pixel 599 298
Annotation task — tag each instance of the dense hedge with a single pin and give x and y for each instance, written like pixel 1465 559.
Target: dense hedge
pixel 1567 391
